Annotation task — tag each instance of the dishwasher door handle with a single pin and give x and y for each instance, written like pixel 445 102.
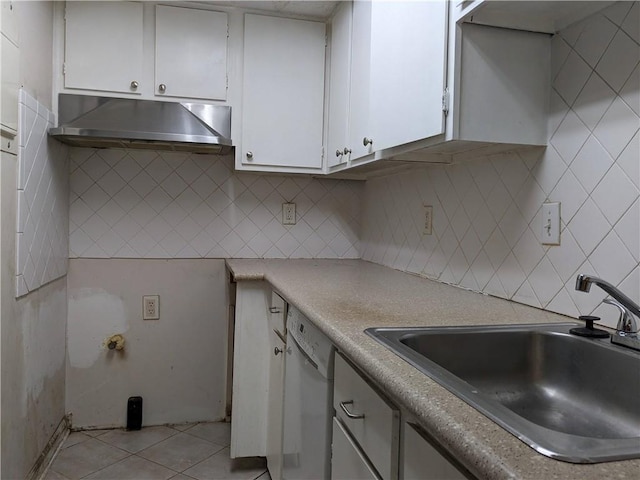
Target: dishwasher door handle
pixel 343 406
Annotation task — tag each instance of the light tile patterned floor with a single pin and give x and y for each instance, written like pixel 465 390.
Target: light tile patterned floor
pixel 182 452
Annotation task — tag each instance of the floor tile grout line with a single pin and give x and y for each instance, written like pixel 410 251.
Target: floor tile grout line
pixel 129 454
pixel 177 472
pixel 107 466
pixel 209 441
pixel 204 459
pixel 149 446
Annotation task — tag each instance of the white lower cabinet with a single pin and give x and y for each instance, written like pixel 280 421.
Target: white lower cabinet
pixel 347 460
pixel 275 401
pixel 369 442
pixel 370 420
pixel 422 461
pixel 251 353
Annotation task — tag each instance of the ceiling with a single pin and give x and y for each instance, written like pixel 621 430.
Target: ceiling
pixel 307 8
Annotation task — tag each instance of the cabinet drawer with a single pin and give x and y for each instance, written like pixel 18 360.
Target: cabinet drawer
pixel 347 461
pixel 372 421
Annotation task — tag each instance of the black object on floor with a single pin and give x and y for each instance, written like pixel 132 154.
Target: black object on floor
pixel 134 413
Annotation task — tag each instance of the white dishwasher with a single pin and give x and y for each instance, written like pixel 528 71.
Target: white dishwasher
pixel 308 398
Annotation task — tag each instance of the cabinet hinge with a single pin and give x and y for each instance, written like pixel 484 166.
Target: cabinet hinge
pixel 64 68
pixel 322 153
pixel 445 101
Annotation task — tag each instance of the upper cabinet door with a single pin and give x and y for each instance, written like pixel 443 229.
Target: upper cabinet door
pixel 191 53
pixel 283 93
pixel 359 114
pixel 103 46
pixel 338 124
pixel 408 58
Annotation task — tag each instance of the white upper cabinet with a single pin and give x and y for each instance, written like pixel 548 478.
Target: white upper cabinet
pixel 533 16
pixel 396 77
pixel 103 46
pixel 191 53
pixel 116 47
pixel 408 58
pixel 9 20
pixel 360 82
pixel 338 123
pixel 282 95
pixel 9 76
pixel 426 88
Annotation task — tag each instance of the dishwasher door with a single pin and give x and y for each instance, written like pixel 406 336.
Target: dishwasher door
pixel 307 418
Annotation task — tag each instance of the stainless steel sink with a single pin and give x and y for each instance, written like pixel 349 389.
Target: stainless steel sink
pixel 570 398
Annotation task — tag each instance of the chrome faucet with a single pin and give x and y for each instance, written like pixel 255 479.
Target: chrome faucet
pixel 626 322
pixel 627 328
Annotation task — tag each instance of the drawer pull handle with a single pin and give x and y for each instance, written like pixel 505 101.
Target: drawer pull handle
pixel 343 406
pixel 274 309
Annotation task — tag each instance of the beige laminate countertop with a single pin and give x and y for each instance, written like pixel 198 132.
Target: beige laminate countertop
pixel 343 297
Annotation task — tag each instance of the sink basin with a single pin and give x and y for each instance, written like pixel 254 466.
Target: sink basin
pixel 570 398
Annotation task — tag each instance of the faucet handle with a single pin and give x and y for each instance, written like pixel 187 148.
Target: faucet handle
pixel 626 322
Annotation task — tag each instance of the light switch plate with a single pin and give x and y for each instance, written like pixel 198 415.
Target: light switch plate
pixel 428 219
pixel 550 227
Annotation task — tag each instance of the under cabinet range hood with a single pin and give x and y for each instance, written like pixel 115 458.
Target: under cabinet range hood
pixel 105 122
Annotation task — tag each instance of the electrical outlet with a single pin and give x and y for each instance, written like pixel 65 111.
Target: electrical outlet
pixel 550 228
pixel 288 213
pixel 428 220
pixel 151 307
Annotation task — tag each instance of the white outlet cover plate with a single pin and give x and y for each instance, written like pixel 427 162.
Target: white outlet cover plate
pixel 288 213
pixel 148 315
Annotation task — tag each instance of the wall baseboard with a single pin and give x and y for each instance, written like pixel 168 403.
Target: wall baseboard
pixel 51 448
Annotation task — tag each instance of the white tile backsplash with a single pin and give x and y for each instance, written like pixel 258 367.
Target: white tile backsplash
pixel 487 212
pixel 148 204
pixel 42 199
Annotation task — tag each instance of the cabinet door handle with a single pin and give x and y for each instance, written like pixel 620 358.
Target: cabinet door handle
pixel 338 153
pixel 249 155
pixel 274 310
pixel 162 88
pixel 346 151
pixel 134 85
pixel 367 141
pixel 343 406
pixel 277 350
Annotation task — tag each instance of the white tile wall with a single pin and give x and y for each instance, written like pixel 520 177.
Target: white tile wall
pixel 148 204
pixel 43 208
pixel 486 212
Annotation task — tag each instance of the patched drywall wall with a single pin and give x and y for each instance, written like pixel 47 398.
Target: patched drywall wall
pixel 33 351
pixel 177 363
pixel 33 327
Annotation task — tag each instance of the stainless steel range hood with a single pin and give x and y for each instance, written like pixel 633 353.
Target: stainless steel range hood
pixel 104 122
